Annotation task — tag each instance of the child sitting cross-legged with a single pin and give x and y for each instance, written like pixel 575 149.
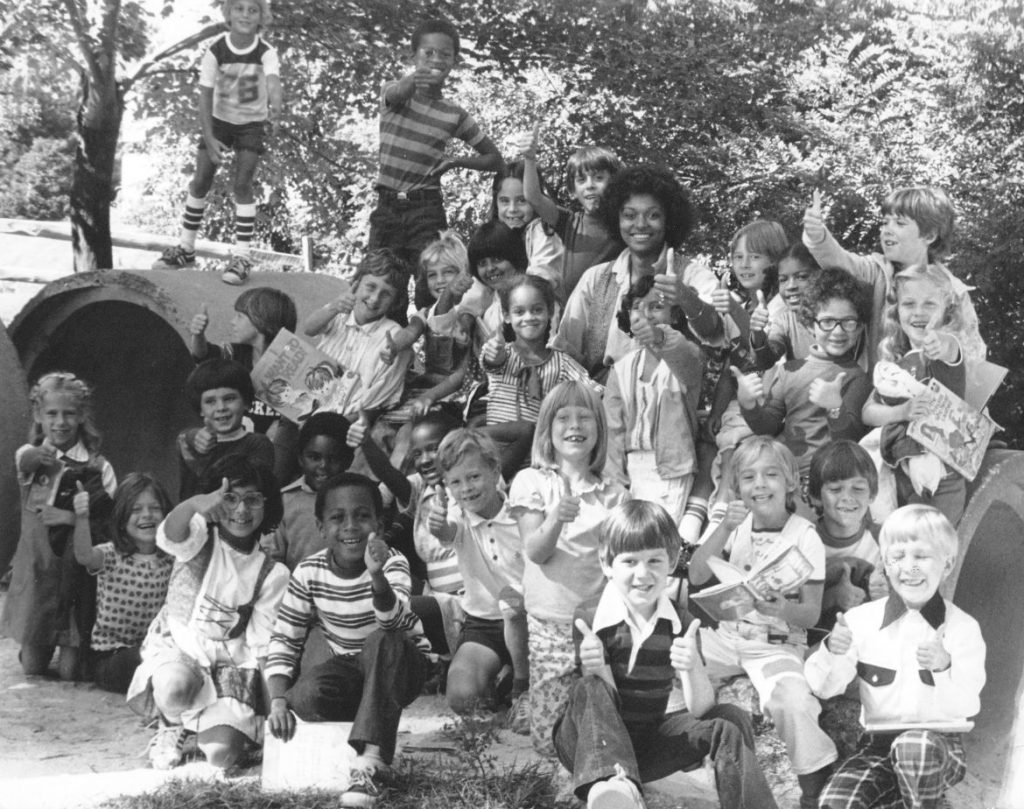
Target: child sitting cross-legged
pixel 356 591
pixel 768 642
pixel 632 642
pixel 920 666
pixel 490 553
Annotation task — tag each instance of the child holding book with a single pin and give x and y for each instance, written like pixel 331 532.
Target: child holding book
pixel 919 662
pixel 769 641
pixel 631 643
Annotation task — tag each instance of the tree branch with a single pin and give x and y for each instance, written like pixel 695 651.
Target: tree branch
pixel 189 42
pixel 85 42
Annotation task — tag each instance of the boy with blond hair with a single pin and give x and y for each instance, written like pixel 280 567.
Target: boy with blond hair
pixel 920 666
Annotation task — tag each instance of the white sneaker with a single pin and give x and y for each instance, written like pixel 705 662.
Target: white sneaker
pixel 167 747
pixel 618 792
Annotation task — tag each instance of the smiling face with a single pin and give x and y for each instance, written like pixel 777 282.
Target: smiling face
pixel 902 240
pixel 143 519
pixel 794 278
pixel 513 209
pixel 246 516
pixel 59 419
pixel 837 341
pixel 349 517
pixel 642 225
pixel 221 410
pixel 473 482
pixel 639 577
pixel 574 433
pixel 496 273
pixel 920 306
pixel 844 505
pixel 374 298
pixel 916 569
pixel 436 52
pixel 423 444
pixel 763 488
pixel 438 277
pixel 589 187
pixel 320 459
pixel 244 17
pixel 748 266
pixel 528 314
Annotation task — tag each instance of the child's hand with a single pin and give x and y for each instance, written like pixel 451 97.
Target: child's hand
pixel 841 638
pixel 200 321
pixel 648 335
pixel 212 505
pixel 493 351
pixel 427 78
pixel 280 721
pixel 933 655
pixel 827 395
pixel 772 604
pixel 390 350
pixel 81 501
pixel 524 144
pixel 344 303
pixel 916 407
pixel 437 518
pixel 684 654
pixel 443 167
pixel 847 595
pixel 460 285
pixel 939 346
pixel 814 220
pixel 51 516
pixel 421 405
pixel 591 649
pixel 377 552
pixel 204 440
pixel 759 317
pixel 749 388
pixel 878 584
pixel 671 288
pixel 358 430
pixel 735 513
pixel 215 150
pixel 721 297
pixel 568 509
pixel 46 453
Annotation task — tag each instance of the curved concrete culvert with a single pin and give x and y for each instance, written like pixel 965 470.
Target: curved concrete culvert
pixel 16 419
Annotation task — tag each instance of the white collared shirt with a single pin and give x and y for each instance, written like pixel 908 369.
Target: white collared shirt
pixel 613 610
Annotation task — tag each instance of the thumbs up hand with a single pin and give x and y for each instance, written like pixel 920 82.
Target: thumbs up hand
pixel 200 320
pixel 376 553
pixel 212 505
pixel 841 638
pixel 814 220
pixel 938 345
pixel 827 395
pixel 568 508
pixel 459 286
pixel 47 453
pixel 591 649
pixel 437 517
pixel 493 351
pixel 735 513
pixel 524 144
pixel 932 655
pixel 81 501
pixel 847 594
pixel 358 430
pixel 204 440
pixel 684 653
pixel 344 303
pixel 390 350
pixel 749 388
pixel 759 317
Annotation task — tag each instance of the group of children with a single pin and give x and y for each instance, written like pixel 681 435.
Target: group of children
pixel 587 403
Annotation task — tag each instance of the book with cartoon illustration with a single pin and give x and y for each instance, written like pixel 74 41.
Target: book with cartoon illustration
pixel 737 590
pixel 953 430
pixel 297 379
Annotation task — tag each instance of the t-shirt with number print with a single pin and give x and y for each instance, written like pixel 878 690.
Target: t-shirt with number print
pixel 238 79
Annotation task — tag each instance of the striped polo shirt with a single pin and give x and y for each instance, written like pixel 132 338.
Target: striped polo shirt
pixel 238 78
pixel 413 136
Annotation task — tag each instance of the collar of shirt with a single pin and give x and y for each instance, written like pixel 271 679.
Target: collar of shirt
pixel 370 327
pixel 612 610
pixel 502 517
pixel 934 612
pixel 232 436
pixel 77 453
pixel 298 485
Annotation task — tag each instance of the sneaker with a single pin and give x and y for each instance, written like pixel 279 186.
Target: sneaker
pixel 618 792
pixel 174 258
pixel 518 718
pixel 362 790
pixel 167 747
pixel 237 271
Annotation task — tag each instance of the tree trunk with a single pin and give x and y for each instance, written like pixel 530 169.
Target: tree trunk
pixel 92 186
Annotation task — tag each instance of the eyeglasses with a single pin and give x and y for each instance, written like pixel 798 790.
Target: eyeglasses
pixel 252 500
pixel 848 324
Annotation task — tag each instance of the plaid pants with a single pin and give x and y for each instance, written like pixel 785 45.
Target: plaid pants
pixel 911 770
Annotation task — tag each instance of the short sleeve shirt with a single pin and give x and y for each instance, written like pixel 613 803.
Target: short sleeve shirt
pixel 130 592
pixel 239 79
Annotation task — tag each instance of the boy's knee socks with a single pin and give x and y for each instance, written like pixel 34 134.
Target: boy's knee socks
pixel 245 224
pixel 190 222
pixel 693 519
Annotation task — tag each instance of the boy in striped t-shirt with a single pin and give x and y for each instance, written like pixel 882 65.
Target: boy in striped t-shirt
pixel 356 591
pixel 617 732
pixel 416 123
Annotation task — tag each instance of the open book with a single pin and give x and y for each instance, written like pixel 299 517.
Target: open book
pixel 737 591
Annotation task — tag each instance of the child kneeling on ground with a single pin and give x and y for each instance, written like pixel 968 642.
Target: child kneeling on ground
pixel 356 591
pixel 630 645
pixel 914 704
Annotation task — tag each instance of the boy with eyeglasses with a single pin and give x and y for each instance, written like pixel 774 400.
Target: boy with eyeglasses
pixel 812 401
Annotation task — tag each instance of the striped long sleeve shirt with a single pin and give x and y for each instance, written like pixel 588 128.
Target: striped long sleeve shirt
pixel 342 608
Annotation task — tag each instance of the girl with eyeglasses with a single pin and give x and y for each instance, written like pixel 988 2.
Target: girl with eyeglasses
pixel 201 659
pixel 809 402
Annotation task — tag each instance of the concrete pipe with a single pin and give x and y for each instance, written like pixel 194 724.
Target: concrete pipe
pixel 17 416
